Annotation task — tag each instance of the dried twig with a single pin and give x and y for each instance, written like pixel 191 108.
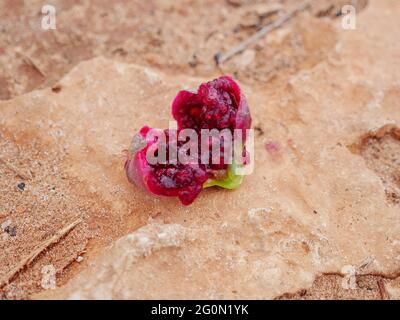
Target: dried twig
pixel 17 171
pixel 382 290
pixel 221 57
pixel 35 253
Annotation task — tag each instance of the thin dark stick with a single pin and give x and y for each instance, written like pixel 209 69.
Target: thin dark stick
pixel 221 57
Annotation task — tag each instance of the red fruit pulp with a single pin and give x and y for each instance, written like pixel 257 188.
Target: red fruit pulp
pixel 169 178
pixel 218 104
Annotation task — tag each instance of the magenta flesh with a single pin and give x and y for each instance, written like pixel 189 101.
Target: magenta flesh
pixel 218 104
pixel 166 179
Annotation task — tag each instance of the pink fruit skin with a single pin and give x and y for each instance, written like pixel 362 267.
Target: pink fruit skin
pixel 136 166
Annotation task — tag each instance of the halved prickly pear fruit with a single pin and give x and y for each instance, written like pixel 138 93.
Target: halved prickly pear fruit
pixel 164 178
pixel 218 104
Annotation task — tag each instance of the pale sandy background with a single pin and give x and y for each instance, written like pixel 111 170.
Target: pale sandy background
pixel 320 216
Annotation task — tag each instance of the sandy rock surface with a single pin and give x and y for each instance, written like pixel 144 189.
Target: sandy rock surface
pixel 325 199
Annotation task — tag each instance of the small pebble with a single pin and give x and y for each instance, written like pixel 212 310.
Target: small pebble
pixel 5 224
pixel 57 88
pixel 13 231
pixel 21 186
pixel 49 280
pixel 79 259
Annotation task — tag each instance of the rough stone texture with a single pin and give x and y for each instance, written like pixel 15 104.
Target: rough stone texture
pixel 313 205
pixel 335 286
pixel 177 37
